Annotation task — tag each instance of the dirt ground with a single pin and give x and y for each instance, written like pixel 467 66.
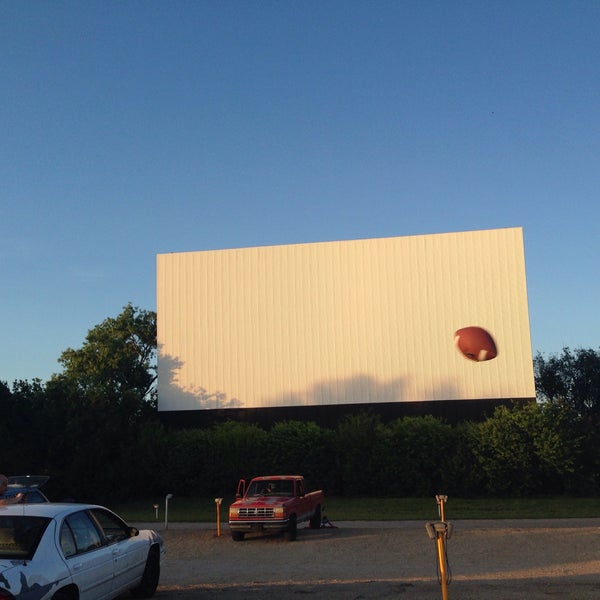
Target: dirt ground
pixel 503 560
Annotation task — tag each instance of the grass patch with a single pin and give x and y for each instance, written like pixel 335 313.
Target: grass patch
pixel 185 509
pixel 385 509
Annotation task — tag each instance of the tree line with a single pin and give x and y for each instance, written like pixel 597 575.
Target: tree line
pixel 94 428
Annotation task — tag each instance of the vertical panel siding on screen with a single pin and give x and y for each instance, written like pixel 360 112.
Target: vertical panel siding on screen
pixel 359 321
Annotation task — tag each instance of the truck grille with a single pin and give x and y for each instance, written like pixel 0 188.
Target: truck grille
pixel 264 512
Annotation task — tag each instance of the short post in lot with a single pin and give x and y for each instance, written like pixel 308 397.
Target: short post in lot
pixel 218 503
pixel 167 498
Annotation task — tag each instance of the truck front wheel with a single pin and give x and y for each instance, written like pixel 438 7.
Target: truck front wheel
pixel 292 531
pixel 237 536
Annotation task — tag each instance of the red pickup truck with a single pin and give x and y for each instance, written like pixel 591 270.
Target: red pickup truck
pixel 274 503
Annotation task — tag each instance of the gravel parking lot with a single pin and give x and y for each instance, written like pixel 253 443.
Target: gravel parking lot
pixel 501 560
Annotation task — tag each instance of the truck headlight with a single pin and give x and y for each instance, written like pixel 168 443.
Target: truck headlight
pixel 279 512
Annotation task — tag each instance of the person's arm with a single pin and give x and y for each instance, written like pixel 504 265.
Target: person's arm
pixel 13 500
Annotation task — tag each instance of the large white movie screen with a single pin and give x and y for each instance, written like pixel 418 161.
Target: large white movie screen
pixel 362 321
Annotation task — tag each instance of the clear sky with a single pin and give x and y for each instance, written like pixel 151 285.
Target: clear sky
pixel 129 129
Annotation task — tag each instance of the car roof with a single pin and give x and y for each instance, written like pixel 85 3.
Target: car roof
pixel 51 510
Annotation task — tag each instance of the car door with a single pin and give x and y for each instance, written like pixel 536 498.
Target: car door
pixel 129 552
pixel 90 561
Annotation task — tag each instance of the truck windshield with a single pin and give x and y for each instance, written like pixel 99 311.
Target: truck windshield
pixel 271 488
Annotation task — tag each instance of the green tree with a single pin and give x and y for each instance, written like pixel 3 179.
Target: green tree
pixel 22 427
pixel 117 362
pixel 183 468
pixel 362 445
pixel 302 448
pixel 461 474
pixel 235 450
pixel 526 449
pixel 419 448
pixel 570 383
pixel 99 404
pixel 572 378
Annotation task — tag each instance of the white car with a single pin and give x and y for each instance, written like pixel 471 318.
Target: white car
pixel 74 552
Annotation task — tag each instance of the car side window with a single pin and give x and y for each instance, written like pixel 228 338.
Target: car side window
pixel 84 533
pixel 113 528
pixel 67 541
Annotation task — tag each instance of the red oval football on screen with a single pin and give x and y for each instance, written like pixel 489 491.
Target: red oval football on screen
pixel 475 343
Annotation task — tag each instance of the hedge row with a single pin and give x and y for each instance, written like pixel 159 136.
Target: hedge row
pixel 525 450
pixel 92 452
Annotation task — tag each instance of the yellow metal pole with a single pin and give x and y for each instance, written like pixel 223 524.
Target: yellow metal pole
pixel 440 531
pixel 441 546
pixel 218 503
pixel 440 501
pixel 442 562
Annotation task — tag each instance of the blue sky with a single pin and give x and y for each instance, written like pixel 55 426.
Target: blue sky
pixel 135 128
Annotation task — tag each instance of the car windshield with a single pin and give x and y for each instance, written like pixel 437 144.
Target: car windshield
pixel 30 495
pixel 20 535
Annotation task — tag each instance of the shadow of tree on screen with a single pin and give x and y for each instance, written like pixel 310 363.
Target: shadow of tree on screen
pixel 355 390
pixel 359 389
pixel 172 396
